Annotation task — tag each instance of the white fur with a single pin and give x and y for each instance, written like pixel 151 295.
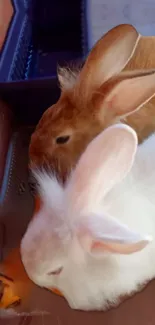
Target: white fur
pixel 90 281
pixel 67 77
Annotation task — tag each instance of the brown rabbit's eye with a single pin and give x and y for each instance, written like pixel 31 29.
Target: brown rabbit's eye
pixel 55 272
pixel 63 139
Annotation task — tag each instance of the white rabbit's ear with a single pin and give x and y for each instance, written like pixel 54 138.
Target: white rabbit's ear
pixel 105 162
pixel 107 58
pixel 102 233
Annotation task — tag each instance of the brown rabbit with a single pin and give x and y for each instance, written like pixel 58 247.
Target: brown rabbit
pixel 97 96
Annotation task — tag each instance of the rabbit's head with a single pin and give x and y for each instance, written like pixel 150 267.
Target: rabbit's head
pixel 67 240
pixel 90 100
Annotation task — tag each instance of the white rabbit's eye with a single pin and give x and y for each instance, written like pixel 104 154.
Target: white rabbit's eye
pixel 55 272
pixel 62 139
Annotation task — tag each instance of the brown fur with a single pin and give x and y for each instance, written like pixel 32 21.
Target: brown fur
pixel 69 117
pixel 143 121
pixel 83 110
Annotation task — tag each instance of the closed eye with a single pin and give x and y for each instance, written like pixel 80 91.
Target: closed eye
pixel 56 272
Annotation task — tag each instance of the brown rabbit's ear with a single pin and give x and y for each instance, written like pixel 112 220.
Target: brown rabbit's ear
pixel 125 93
pixel 107 58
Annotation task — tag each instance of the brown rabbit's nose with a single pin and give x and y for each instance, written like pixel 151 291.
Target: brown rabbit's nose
pixel 44 156
pixel 39 142
pixel 37 153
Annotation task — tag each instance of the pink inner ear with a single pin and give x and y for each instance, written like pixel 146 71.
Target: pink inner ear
pixel 111 102
pixel 99 247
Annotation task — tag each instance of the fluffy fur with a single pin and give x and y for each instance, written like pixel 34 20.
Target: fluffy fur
pixel 97 230
pixel 82 111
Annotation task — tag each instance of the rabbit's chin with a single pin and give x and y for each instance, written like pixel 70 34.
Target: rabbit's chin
pixel 102 304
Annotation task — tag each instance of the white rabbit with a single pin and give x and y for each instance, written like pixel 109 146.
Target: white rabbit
pixel 93 238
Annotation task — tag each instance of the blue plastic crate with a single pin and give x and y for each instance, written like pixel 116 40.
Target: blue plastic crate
pixel 41 35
